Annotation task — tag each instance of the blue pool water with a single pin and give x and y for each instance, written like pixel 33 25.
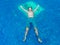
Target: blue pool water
pixel 13 22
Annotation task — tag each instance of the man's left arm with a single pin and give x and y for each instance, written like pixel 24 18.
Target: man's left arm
pixel 36 8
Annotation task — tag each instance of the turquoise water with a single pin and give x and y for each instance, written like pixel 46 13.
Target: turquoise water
pixel 13 22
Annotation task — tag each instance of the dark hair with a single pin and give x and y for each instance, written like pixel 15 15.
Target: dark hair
pixel 29 7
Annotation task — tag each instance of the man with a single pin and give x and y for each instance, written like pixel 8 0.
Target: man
pixel 30 15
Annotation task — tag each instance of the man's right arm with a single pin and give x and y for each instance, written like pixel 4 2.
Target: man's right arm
pixel 23 8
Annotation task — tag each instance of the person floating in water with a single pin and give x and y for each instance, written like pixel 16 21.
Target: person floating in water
pixel 30 15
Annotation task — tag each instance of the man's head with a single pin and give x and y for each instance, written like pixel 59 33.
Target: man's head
pixel 30 9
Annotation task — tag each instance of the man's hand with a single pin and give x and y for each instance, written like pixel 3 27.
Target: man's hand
pixel 21 6
pixel 38 5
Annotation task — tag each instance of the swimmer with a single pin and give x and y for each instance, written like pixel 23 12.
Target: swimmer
pixel 30 14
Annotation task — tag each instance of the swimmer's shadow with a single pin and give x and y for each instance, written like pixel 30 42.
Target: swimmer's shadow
pixel 31 26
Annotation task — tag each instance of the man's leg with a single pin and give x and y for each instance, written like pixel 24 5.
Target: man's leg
pixel 27 29
pixel 36 31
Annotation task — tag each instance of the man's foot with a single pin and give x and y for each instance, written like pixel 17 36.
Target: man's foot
pixel 24 39
pixel 39 40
